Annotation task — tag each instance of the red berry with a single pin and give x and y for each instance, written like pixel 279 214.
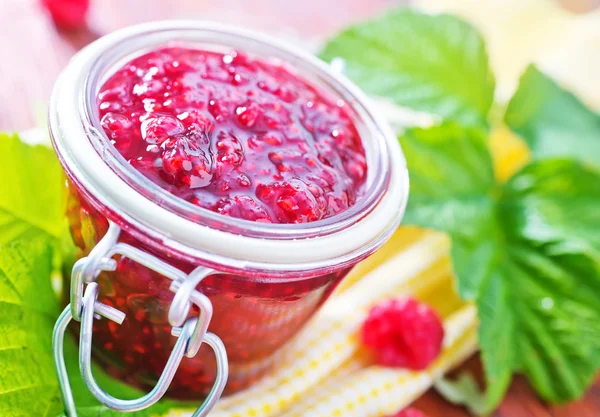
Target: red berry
pixel 409 412
pixel 67 14
pixel 403 333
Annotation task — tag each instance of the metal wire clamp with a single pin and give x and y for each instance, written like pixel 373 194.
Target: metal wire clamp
pixel 190 332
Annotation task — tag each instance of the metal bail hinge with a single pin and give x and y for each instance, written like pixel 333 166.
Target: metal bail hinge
pixel 190 332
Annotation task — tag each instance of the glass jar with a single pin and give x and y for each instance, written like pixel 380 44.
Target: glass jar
pixel 262 281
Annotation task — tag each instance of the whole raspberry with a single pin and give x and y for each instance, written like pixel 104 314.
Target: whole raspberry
pixel 409 412
pixel 403 333
pixel 68 14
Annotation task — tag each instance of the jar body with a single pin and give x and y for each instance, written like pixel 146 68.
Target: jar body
pixel 253 316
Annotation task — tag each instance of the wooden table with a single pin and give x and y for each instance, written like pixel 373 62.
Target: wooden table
pixel 32 53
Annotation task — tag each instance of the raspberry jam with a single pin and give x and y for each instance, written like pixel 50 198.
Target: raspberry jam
pixel 262 167
pixel 239 136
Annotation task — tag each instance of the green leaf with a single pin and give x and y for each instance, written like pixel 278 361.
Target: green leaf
pixel 31 224
pixel 437 64
pixel 31 191
pixel 497 339
pixel 462 391
pixel 551 213
pixel 540 318
pixel 528 253
pixel 552 121
pixel 28 309
pixel 451 174
pixel 554 203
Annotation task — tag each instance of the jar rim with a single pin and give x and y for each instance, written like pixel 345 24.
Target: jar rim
pixel 378 174
pixel 384 159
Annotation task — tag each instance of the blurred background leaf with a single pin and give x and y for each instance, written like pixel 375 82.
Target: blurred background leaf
pixel 387 57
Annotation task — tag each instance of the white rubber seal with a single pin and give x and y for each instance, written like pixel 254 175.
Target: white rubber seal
pixel 82 160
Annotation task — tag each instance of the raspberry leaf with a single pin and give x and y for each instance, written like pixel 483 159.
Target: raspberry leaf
pixel 528 253
pixel 32 193
pixel 32 228
pixel 555 204
pixel 28 308
pixel 451 175
pixel 550 212
pixel 553 121
pixel 437 64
